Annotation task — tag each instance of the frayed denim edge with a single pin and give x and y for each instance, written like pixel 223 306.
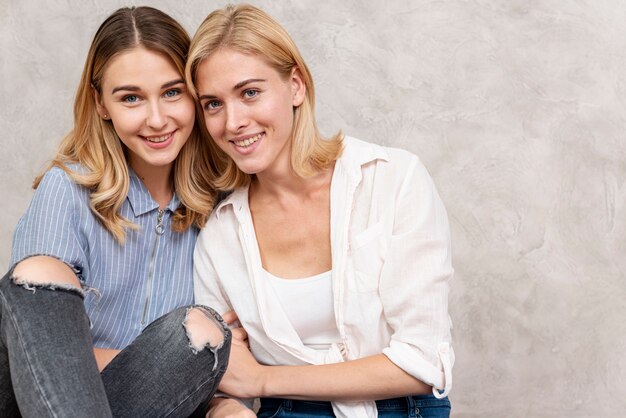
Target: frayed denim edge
pixel 32 287
pixel 213 350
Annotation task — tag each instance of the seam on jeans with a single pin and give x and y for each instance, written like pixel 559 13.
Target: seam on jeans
pixel 432 403
pixel 44 400
pixel 277 411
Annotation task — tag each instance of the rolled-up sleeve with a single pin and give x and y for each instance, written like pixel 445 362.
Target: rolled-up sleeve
pixel 49 226
pixel 414 283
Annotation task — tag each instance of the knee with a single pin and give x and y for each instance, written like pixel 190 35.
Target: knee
pixel 45 271
pixel 205 329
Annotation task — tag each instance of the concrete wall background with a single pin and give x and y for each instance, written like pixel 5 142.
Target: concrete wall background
pixel 516 107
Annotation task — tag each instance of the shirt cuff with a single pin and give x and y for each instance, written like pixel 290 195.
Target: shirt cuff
pixel 411 360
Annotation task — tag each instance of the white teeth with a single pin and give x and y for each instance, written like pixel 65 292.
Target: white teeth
pixel 158 139
pixel 248 142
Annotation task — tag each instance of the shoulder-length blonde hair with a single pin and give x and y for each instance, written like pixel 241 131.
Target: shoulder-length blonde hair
pixel 248 29
pixel 94 144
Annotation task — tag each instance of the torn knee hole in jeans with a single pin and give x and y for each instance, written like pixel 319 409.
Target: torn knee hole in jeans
pixel 204 331
pixel 34 286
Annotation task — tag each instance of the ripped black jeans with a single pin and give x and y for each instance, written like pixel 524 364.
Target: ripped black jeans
pixel 47 366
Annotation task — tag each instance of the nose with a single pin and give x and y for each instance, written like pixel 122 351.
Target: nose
pixel 156 118
pixel 236 117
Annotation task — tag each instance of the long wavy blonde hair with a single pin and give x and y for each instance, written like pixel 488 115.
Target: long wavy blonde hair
pixel 248 29
pixel 94 144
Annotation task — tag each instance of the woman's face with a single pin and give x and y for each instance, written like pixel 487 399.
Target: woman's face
pixel 145 98
pixel 248 108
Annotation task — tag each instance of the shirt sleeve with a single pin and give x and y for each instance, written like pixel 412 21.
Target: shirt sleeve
pixel 49 225
pixel 207 289
pixel 414 283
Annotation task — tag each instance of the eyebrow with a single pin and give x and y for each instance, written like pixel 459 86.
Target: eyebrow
pixel 248 81
pixel 236 87
pixel 136 88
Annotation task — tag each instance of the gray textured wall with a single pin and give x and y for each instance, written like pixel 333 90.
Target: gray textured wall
pixel 517 109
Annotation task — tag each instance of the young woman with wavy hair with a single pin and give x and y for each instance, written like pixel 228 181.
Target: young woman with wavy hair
pixel 96 313
pixel 334 253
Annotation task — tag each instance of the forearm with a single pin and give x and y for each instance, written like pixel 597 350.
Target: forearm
pixel 369 378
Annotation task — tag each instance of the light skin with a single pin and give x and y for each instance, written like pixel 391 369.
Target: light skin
pixel 254 103
pixel 255 100
pixel 145 97
pixel 242 96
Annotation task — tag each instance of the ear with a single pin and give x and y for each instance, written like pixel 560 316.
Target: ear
pixel 102 111
pixel 298 88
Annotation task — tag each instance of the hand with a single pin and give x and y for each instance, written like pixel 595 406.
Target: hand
pixel 231 318
pixel 244 375
pixel 228 408
pixel 240 336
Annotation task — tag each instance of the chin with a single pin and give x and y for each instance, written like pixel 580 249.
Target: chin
pixel 162 163
pixel 248 171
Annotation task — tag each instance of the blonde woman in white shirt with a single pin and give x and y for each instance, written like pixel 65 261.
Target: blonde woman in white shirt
pixel 334 253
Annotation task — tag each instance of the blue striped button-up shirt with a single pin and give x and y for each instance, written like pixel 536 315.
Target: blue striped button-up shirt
pixel 147 277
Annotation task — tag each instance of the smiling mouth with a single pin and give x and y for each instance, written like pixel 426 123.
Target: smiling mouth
pixel 158 139
pixel 248 141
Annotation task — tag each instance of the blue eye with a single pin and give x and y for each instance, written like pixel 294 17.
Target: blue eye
pixel 131 98
pixel 172 93
pixel 211 104
pixel 250 93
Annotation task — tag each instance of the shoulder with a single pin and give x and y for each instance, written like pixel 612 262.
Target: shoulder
pixel 357 149
pixel 55 175
pixel 49 226
pixel 54 182
pixel 57 189
pixel 224 219
pixel 59 177
pixel 361 153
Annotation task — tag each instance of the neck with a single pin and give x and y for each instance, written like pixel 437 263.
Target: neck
pixel 279 186
pixel 158 181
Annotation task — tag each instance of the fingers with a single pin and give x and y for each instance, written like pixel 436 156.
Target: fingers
pixel 239 334
pixel 230 317
pixel 240 337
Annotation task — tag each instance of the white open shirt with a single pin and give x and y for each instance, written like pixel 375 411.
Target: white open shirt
pixel 390 245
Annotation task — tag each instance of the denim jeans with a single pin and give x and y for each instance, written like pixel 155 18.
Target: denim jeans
pixel 47 366
pixel 418 406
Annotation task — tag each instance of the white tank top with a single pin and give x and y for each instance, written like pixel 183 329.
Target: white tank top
pixel 308 304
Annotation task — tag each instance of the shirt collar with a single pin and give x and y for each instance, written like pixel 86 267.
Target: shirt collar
pixel 140 199
pixel 355 154
pixel 238 200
